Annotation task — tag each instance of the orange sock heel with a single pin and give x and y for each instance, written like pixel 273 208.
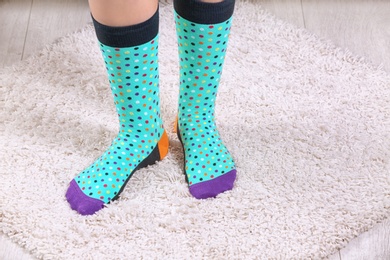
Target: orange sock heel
pixel 163 145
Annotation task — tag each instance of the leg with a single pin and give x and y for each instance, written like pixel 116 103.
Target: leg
pixel 203 29
pixel 212 1
pixel 122 12
pixel 129 45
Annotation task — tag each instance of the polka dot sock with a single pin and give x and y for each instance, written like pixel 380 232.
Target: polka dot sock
pixel 203 31
pixel 141 141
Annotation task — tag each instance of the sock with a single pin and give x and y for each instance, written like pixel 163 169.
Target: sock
pixel 130 55
pixel 202 31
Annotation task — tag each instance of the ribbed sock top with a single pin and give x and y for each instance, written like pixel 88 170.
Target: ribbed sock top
pixel 127 36
pixel 204 13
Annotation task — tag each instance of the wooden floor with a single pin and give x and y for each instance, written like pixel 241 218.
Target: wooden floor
pixel 362 26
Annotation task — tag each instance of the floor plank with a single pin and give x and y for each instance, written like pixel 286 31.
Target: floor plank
pixel 12 251
pixel 14 16
pixel 53 19
pixel 287 10
pixel 363 27
pixel 373 244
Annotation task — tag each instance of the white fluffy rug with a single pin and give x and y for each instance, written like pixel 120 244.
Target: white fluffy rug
pixel 308 125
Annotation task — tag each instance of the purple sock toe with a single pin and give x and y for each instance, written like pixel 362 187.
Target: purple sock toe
pixel 212 188
pixel 80 202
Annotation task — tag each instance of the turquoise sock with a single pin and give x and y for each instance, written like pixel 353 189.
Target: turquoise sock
pixel 202 43
pixel 133 74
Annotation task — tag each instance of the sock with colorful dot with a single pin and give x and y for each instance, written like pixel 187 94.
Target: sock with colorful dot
pixel 202 32
pixel 130 54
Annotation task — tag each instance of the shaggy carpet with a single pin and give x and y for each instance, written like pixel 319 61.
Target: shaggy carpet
pixel 308 125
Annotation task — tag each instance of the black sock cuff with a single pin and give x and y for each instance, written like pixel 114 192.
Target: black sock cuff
pixel 204 13
pixel 127 36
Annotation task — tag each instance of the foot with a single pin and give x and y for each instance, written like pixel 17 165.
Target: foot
pixel 209 167
pixel 105 179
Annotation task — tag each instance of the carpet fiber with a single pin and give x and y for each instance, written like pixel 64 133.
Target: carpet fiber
pixel 308 125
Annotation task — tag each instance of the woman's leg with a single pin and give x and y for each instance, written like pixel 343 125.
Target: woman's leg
pixel 122 12
pixel 203 30
pixel 212 1
pixel 127 31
